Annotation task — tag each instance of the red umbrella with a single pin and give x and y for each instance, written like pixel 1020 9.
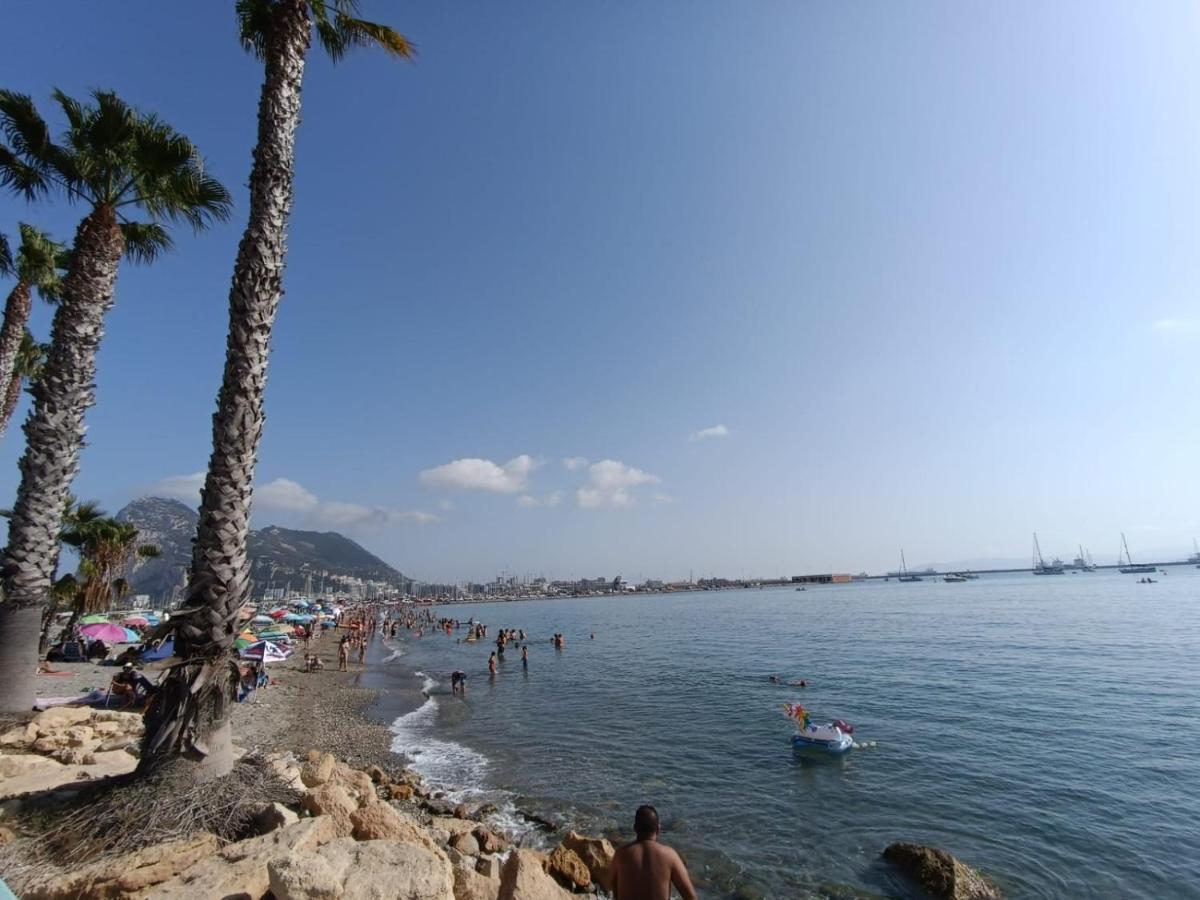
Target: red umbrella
pixel 277 613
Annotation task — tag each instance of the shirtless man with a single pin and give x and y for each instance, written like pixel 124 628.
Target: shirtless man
pixel 646 869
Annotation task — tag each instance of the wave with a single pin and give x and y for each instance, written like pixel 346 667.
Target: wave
pixel 444 765
pixel 396 653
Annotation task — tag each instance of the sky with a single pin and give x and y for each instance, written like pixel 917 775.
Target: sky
pixel 653 289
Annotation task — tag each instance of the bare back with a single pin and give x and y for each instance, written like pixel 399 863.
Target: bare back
pixel 645 870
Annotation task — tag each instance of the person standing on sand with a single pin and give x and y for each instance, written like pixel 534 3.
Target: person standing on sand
pixel 646 869
pixel 344 654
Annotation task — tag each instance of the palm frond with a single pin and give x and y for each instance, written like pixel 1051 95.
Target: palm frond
pixel 361 33
pixel 6 260
pixel 20 177
pixel 41 261
pixel 31 356
pixel 24 129
pixel 145 241
pixel 254 25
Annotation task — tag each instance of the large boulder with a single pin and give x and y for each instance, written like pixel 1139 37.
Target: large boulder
pixel 130 875
pixel 452 825
pixel 939 874
pixel 469 885
pixel 240 870
pixel 62 717
pixel 316 771
pixel 489 841
pixel 369 870
pixel 331 800
pixel 465 843
pixel 379 822
pixel 566 866
pixel 524 878
pixel 596 853
pixel 357 784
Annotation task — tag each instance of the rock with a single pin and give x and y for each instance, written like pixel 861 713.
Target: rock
pixel 316 772
pixel 50 743
pixel 400 791
pixel 452 825
pixel 129 875
pixel 488 866
pixel 488 809
pixel 377 774
pixel 272 816
pixel 62 716
pixel 75 756
pixel 116 742
pixel 379 822
pixel 7 836
pixel 357 784
pixel 461 812
pixel 78 735
pixel 370 870
pixel 470 885
pixel 569 869
pixel 16 737
pixel 240 870
pixel 331 800
pixel 939 874
pixel 284 765
pixel 127 721
pixel 596 853
pixel 524 878
pixel 17 765
pixel 464 842
pixel 106 727
pixel 458 859
pixel 489 842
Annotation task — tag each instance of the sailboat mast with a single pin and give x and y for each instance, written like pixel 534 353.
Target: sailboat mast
pixel 1125 544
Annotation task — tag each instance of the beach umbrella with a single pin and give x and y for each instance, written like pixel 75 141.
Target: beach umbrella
pixel 266 651
pixel 242 643
pixel 262 620
pixel 131 636
pixel 94 619
pixel 135 620
pixel 293 617
pixel 249 636
pixel 106 631
pixel 277 613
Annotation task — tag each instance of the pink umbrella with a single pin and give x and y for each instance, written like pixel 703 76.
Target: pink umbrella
pixel 135 620
pixel 114 634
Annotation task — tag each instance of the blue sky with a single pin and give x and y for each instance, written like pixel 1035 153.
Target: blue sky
pixel 933 267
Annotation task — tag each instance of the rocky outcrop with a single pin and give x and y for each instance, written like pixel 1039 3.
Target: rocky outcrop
pixel 240 870
pixel 524 877
pixel 130 875
pixel 595 853
pixel 64 745
pixel 566 866
pixel 470 885
pixel 367 870
pixel 939 874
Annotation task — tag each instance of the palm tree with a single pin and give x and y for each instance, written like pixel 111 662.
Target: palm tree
pixel 27 368
pixel 37 267
pixel 191 718
pixel 116 162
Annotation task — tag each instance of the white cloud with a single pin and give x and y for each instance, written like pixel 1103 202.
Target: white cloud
pixel 179 487
pixel 528 501
pixel 571 463
pixel 611 484
pixel 283 495
pixel 715 431
pixel 663 498
pixel 1183 326
pixel 482 475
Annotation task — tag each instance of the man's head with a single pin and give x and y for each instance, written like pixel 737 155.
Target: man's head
pixel 645 822
pixel 128 666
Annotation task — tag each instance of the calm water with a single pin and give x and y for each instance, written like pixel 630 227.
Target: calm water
pixel 1043 729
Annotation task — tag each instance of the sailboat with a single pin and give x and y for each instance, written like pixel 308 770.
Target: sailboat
pixel 1195 557
pixel 904 576
pixel 1040 566
pixel 1130 568
pixel 1083 562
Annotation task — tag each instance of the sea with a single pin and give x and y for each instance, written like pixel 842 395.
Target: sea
pixel 1043 729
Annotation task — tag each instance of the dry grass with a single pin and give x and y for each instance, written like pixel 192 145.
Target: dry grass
pixel 122 815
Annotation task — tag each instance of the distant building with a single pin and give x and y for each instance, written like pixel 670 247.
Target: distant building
pixel 822 579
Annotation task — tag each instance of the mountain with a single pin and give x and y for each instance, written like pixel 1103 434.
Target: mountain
pixel 279 557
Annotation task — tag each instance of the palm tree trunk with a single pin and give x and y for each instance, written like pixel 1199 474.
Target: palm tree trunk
pixel 11 398
pixel 16 317
pixel 191 717
pixel 54 434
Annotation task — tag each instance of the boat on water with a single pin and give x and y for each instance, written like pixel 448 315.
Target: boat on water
pixel 1130 568
pixel 1195 557
pixel 954 578
pixel 1083 562
pixel 1040 566
pixel 905 575
pixel 832 737
pixel 828 738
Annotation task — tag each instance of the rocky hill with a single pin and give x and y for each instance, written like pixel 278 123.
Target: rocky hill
pixel 279 557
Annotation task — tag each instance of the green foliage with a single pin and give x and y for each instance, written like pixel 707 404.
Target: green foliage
pixel 40 262
pixel 6 260
pixel 110 155
pixel 31 356
pixel 337 26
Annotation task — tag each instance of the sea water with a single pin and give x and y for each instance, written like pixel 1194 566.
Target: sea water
pixel 1043 729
